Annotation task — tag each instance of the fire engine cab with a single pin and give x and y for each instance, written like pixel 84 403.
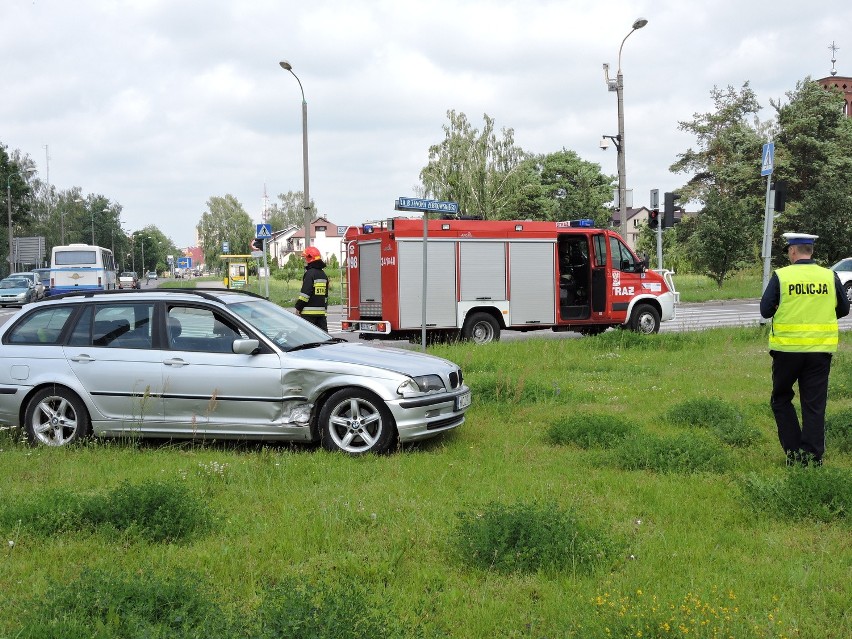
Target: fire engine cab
pixel 486 276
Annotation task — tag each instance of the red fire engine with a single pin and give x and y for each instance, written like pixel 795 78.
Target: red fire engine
pixel 487 276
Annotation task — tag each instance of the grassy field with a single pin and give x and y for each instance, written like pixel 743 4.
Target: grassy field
pixel 615 486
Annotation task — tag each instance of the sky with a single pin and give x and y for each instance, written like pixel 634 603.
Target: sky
pixel 160 105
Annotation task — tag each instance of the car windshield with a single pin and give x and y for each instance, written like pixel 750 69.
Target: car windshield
pixel 13 283
pixel 288 331
pixel 127 274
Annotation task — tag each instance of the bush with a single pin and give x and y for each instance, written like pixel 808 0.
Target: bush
pixel 158 512
pixel 738 434
pixel 108 605
pixel 682 454
pixel 589 430
pixel 818 493
pixel 838 431
pixel 529 538
pixel 721 417
pixel 346 609
pixel 703 412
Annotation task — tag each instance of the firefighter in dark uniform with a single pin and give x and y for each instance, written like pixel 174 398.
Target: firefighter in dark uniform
pixel 312 303
pixel 804 301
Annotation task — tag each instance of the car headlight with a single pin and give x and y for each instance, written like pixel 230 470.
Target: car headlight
pixel 421 384
pixel 21 296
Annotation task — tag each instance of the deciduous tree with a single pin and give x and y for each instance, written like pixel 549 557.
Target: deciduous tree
pixel 225 220
pixel 478 169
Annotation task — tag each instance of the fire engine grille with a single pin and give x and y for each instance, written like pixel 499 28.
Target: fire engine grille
pixel 370 309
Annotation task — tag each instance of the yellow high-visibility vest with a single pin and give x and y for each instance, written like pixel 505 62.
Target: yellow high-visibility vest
pixel 805 320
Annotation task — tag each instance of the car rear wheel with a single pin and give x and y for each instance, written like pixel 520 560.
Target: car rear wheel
pixel 357 422
pixel 55 417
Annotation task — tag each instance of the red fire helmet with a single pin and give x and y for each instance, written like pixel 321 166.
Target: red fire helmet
pixel 311 253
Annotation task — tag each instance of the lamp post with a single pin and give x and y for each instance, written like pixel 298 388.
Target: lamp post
pixel 9 212
pixel 306 200
pixel 618 87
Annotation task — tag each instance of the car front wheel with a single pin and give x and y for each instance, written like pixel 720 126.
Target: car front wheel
pixel 357 422
pixel 55 417
pixel 848 289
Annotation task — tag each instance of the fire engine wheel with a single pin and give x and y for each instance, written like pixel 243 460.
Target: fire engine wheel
pixel 645 319
pixel 357 422
pixel 481 328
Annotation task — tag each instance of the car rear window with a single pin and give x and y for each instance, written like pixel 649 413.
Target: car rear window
pixel 43 326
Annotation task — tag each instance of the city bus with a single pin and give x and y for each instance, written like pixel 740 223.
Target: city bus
pixel 78 267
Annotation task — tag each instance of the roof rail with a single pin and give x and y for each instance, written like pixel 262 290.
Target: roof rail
pixel 206 293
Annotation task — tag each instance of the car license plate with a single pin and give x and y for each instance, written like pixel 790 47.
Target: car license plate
pixel 463 401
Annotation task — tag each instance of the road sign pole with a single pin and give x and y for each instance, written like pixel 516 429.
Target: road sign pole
pixel 767 166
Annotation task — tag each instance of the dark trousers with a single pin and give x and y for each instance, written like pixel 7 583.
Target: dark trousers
pixel 811 371
pixel 317 320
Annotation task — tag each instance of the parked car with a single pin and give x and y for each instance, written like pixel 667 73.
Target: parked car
pixel 128 279
pixel 44 274
pixel 213 363
pixel 16 291
pixel 844 271
pixel 35 278
pixel 152 275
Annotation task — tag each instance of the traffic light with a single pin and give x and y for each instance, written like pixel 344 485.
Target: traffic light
pixel 653 218
pixel 780 188
pixel 669 200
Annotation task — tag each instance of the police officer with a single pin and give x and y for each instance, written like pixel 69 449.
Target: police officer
pixel 804 301
pixel 312 303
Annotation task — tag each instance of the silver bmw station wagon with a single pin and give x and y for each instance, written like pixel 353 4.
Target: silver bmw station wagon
pixel 213 363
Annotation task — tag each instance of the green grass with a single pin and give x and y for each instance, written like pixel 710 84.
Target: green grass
pixel 745 284
pixel 518 524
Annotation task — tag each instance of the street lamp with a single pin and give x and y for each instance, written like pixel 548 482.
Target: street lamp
pixel 9 211
pixel 618 87
pixel 306 200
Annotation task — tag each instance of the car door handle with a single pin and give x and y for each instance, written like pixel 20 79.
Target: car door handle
pixel 82 358
pixel 177 361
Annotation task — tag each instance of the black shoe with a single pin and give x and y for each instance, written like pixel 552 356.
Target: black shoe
pixel 793 458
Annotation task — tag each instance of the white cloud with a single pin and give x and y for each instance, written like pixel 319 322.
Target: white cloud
pixel 160 105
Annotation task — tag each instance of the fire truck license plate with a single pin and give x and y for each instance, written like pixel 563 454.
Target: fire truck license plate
pixel 367 326
pixel 463 401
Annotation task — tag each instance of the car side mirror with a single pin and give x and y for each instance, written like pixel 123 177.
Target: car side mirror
pixel 245 346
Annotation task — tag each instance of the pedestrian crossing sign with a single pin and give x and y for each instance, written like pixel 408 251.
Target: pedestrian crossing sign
pixel 768 159
pixel 264 231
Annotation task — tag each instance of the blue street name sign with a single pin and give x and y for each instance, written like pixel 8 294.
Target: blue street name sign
pixel 264 231
pixel 768 159
pixel 184 262
pixel 416 204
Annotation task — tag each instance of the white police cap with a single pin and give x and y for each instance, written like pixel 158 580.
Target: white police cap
pixel 799 238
